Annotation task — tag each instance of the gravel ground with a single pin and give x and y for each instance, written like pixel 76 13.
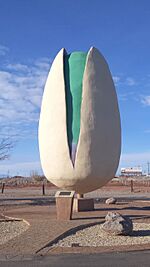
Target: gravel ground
pixel 94 236
pixel 11 229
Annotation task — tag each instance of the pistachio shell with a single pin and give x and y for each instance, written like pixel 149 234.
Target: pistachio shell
pixel 99 145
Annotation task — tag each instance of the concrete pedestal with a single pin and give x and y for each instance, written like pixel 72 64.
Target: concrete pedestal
pixel 83 204
pixel 64 205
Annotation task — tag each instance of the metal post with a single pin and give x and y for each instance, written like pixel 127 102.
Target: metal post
pixel 132 186
pixel 43 189
pixel 3 186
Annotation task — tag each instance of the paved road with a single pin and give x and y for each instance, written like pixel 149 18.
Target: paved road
pixel 130 259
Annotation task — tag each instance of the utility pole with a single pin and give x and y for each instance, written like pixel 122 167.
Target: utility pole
pixel 148 164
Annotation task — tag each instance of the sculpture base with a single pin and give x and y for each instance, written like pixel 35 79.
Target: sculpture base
pixel 83 204
pixel 64 205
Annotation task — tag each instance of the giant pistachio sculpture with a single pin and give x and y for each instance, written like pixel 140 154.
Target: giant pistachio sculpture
pixel 79 128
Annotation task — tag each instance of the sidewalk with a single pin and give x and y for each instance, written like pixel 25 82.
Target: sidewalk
pixel 44 228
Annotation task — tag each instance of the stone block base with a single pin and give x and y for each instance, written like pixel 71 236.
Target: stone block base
pixel 64 205
pixel 83 204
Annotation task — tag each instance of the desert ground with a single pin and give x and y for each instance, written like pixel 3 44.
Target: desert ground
pixel 40 233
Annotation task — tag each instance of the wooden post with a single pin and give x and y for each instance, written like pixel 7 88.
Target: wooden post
pixel 3 186
pixel 132 186
pixel 43 189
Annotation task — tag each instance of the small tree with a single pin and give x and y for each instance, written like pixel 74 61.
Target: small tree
pixel 5 146
pixel 37 177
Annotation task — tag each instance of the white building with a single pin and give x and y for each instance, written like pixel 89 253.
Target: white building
pixel 131 171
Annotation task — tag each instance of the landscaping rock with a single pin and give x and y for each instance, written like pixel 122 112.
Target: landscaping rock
pixel 111 200
pixel 112 216
pixel 116 224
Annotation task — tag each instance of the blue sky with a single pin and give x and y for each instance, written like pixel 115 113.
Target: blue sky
pixel 31 34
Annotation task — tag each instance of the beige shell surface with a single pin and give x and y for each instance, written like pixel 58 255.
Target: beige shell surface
pixel 99 145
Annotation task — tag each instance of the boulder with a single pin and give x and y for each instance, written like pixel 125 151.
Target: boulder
pixel 116 224
pixel 112 216
pixel 111 200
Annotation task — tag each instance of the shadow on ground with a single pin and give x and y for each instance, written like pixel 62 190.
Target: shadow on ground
pixel 28 202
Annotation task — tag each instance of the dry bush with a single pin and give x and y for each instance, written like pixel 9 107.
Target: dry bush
pixel 37 177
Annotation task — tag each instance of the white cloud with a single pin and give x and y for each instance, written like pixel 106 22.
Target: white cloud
pixel 116 79
pixel 23 168
pixel 18 67
pixel 134 159
pixel 21 89
pixel 123 80
pixel 147 131
pixel 3 50
pixel 123 97
pixel 145 100
pixel 130 81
